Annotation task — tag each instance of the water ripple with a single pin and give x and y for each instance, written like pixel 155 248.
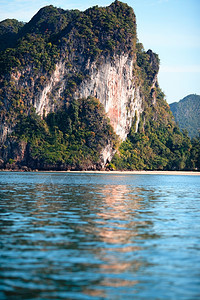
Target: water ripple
pixel 80 236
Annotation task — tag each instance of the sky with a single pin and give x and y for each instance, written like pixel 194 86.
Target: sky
pixel 171 28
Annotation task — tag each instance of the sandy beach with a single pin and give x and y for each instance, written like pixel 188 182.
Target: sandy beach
pixel 192 173
pixel 134 172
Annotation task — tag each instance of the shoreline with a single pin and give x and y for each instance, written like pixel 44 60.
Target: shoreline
pixel 139 172
pixel 143 172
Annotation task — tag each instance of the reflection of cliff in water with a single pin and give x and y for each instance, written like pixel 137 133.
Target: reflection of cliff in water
pixel 117 215
pixel 116 228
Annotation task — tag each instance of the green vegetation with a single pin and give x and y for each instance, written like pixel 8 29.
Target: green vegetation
pixel 69 139
pixel 194 161
pixel 158 145
pixel 156 148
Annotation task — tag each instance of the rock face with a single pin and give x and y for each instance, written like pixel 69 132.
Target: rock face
pixel 64 55
pixel 113 83
pixel 42 102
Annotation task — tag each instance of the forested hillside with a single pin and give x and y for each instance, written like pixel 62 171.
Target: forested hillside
pixel 79 92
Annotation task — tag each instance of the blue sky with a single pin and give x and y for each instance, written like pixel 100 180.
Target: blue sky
pixel 170 28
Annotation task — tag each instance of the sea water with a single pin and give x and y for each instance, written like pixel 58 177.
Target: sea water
pixel 99 236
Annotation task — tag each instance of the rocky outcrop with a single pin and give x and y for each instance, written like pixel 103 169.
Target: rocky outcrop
pixel 43 101
pixel 113 83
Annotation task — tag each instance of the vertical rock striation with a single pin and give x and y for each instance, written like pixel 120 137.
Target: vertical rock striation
pixel 113 84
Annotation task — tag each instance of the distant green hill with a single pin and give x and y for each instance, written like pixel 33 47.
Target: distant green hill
pixel 187 114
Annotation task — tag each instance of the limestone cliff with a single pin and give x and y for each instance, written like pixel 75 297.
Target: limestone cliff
pixel 112 82
pixel 64 55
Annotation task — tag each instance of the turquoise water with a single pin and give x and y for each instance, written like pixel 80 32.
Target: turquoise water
pixel 99 236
